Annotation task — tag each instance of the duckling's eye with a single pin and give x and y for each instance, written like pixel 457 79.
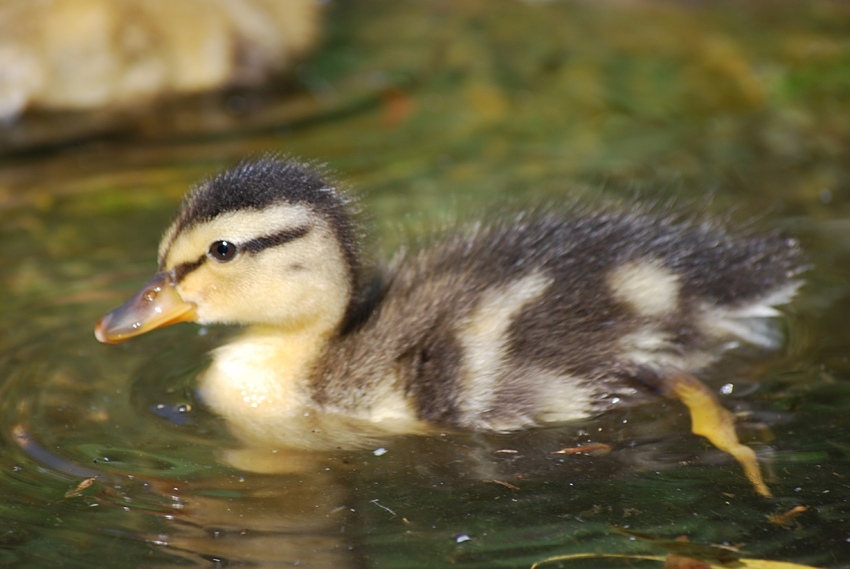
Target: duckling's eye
pixel 222 251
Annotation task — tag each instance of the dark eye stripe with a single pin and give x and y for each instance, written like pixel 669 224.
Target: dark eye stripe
pixel 183 269
pixel 266 241
pixel 253 246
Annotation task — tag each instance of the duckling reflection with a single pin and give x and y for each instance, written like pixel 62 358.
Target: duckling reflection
pixel 260 521
pixel 536 320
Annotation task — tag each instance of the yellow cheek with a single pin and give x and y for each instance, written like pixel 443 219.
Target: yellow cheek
pixel 202 292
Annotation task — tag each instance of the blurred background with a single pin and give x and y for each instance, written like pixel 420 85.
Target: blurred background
pixel 429 110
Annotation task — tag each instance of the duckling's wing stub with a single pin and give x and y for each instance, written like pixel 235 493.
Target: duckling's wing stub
pixel 633 282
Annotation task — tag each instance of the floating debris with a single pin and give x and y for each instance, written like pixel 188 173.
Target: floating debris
pixel 503 483
pixel 593 449
pixel 79 488
pixel 786 519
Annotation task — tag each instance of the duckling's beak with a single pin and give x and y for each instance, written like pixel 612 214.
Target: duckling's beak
pixel 157 304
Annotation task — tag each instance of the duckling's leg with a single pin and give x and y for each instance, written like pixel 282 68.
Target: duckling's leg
pixel 711 420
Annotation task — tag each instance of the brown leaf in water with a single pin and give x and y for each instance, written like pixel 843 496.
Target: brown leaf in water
pixel 503 483
pixel 786 519
pixel 79 488
pixel 592 449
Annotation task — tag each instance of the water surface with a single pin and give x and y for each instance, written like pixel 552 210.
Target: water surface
pixel 718 106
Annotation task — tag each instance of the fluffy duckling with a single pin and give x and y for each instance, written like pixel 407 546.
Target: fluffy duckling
pixel 535 320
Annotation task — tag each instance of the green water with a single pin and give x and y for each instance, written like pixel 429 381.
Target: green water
pixel 433 111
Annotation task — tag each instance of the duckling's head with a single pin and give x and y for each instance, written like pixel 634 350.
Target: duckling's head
pixel 269 242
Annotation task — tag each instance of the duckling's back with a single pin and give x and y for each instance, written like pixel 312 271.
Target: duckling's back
pixel 553 318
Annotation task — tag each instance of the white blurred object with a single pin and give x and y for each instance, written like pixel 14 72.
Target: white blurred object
pixel 84 54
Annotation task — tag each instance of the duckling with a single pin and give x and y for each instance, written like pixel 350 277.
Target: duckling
pixel 537 319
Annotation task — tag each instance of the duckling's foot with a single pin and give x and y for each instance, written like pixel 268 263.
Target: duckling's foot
pixel 711 420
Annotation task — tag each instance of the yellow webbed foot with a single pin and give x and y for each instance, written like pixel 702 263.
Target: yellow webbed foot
pixel 712 421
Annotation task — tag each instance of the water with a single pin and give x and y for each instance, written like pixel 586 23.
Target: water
pixel 721 106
